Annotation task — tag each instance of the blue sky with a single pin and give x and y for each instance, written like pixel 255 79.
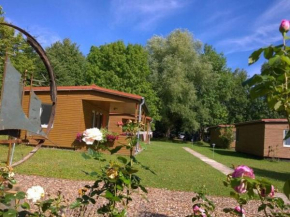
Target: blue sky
pixel 233 27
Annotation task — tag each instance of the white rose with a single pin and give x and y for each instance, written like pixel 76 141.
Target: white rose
pixel 35 193
pixel 91 135
pixel 11 174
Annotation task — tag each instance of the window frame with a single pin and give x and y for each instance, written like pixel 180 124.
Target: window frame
pixel 44 126
pixel 284 141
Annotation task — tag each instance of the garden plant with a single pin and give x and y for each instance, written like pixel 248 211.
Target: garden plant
pixel 272 83
pixel 115 182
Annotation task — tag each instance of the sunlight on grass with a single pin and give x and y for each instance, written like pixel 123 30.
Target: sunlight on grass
pixel 276 171
pixel 175 168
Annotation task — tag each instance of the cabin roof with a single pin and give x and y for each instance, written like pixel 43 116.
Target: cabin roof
pixel 281 120
pixel 222 126
pixel 86 88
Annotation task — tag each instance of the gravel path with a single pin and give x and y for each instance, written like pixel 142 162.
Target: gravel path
pixel 161 202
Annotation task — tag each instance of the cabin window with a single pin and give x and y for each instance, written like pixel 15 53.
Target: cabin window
pixel 97 119
pixel 45 114
pixel 286 143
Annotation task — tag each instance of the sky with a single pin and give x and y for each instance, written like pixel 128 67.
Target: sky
pixel 233 27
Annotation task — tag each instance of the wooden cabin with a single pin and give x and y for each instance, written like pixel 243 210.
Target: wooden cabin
pixel 82 107
pixel 264 138
pixel 217 131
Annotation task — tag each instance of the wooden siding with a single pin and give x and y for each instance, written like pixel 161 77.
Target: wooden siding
pixel 274 141
pixel 250 138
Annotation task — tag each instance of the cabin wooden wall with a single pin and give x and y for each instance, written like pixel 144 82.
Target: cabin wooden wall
pixel 274 135
pixel 74 115
pixel 250 138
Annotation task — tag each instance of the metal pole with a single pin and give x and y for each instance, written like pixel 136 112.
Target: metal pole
pixel 12 154
pixel 213 145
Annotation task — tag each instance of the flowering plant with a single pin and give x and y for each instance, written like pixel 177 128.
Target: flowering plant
pixel 112 137
pixel 245 186
pixel 94 135
pixel 17 203
pixel 116 181
pixel 202 206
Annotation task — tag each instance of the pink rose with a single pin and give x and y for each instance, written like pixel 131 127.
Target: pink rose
pixel 284 26
pixel 239 210
pixel 272 193
pixel 120 123
pixel 241 189
pixel 242 171
pixel 198 211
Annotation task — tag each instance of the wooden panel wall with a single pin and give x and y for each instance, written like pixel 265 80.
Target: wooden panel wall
pixel 274 141
pixel 73 114
pixel 250 138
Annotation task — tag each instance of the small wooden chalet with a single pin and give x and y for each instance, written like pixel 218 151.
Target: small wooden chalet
pixel 82 107
pixel 217 131
pixel 264 138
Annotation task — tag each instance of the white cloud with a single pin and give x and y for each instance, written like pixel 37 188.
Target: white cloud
pixel 275 13
pixel 44 36
pixel 144 14
pixel 262 36
pixel 263 31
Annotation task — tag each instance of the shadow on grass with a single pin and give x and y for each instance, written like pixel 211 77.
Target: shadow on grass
pixel 152 214
pixel 237 154
pixel 228 152
pixel 281 176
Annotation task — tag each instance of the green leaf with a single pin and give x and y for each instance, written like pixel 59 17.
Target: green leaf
pixel 20 195
pixel 261 207
pixel 126 181
pixel 75 204
pixel 277 105
pixel 25 205
pixel 268 52
pixel 254 57
pixel 115 150
pixel 253 80
pixel 273 59
pixel 10 213
pixel 226 184
pixel 111 197
pixel 85 156
pixel 131 170
pixel 145 190
pixel 122 159
pixel 285 59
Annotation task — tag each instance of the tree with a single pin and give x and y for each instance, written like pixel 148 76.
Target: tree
pixel 18 50
pixel 68 62
pixel 124 68
pixel 178 75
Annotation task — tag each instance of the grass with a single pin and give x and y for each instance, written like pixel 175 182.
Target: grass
pixel 175 168
pixel 276 171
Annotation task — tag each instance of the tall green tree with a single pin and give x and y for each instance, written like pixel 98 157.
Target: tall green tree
pixel 178 75
pixel 68 63
pixel 124 68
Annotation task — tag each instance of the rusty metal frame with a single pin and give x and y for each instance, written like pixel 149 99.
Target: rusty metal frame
pixel 53 90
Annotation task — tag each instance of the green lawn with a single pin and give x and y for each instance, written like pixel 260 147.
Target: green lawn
pixel 175 168
pixel 276 171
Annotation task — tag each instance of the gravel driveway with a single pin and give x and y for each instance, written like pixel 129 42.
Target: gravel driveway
pixel 161 202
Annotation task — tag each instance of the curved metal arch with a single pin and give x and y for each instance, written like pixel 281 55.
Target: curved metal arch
pixel 53 90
